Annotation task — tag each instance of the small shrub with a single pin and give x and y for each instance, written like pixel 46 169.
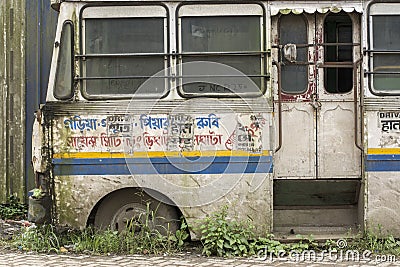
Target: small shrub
pixel 13 209
pixel 223 237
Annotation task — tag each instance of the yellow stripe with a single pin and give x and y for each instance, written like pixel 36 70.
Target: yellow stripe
pixel 157 154
pixel 383 150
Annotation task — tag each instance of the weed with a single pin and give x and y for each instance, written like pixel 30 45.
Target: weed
pixel 305 243
pixel 97 242
pixel 223 237
pixel 13 209
pixel 41 239
pixel 140 237
pixel 181 234
pixel 270 246
pixel 376 241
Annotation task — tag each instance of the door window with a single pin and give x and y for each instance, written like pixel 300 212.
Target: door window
pixel 338 35
pixel 293 38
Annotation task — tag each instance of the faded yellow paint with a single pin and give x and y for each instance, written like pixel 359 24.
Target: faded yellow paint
pixel 383 151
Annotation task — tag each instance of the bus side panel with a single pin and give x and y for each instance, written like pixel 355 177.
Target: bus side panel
pixel 77 195
pixel 201 162
pixel 382 171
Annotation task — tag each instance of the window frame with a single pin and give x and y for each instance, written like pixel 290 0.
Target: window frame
pixel 205 10
pixel 338 64
pixel 118 11
pixel 378 9
pixel 306 63
pixel 72 56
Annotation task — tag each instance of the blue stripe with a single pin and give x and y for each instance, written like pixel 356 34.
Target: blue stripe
pixel 172 165
pixel 382 163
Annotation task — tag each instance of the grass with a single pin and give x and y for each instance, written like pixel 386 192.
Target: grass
pixel 148 240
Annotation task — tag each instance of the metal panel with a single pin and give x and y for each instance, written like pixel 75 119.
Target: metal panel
pixel 40 26
pixel 337 154
pixel 296 158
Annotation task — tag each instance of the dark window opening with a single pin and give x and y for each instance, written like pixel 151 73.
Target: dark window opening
pixel 338 29
pixel 293 30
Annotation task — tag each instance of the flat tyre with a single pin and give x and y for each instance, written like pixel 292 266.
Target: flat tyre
pixel 131 209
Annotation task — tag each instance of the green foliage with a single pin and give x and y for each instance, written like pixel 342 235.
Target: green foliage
pixel 138 238
pixel 97 242
pixel 41 239
pixel 181 234
pixel 270 246
pixel 376 241
pixel 305 243
pixel 37 193
pixel 13 209
pixel 223 237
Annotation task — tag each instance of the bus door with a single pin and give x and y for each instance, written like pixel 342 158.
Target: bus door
pixel 317 95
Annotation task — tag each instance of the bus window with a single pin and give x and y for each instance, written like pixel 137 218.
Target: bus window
pixel 64 77
pixel 231 39
pixel 338 29
pixel 121 53
pixel 386 61
pixel 293 30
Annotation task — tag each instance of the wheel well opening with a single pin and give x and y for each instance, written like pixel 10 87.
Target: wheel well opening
pixel 126 195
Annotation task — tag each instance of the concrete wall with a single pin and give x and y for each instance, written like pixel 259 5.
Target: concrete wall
pixel 12 91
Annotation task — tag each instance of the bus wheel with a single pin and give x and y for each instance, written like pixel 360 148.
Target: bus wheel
pixel 130 209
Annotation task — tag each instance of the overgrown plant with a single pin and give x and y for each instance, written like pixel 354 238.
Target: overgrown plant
pixel 376 241
pixel 141 237
pixel 226 237
pixel 223 237
pixel 41 239
pixel 96 242
pixel 13 209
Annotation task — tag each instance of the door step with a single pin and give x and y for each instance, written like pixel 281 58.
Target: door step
pixel 326 209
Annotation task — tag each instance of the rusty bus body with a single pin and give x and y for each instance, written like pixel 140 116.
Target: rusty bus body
pixel 296 126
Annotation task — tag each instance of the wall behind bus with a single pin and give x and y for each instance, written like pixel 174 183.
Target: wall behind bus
pixel 41 28
pixel 28 29
pixel 12 88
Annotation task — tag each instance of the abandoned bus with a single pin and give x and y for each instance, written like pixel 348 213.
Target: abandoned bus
pixel 286 112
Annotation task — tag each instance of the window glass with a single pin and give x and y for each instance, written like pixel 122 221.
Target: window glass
pixel 109 40
pixel 293 30
pixel 219 34
pixel 386 63
pixel 386 32
pixel 64 76
pixel 202 35
pixel 386 37
pixel 338 29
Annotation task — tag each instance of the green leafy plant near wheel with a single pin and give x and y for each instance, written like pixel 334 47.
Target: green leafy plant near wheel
pixel 140 238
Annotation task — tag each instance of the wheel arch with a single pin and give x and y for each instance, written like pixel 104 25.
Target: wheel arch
pixel 149 193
